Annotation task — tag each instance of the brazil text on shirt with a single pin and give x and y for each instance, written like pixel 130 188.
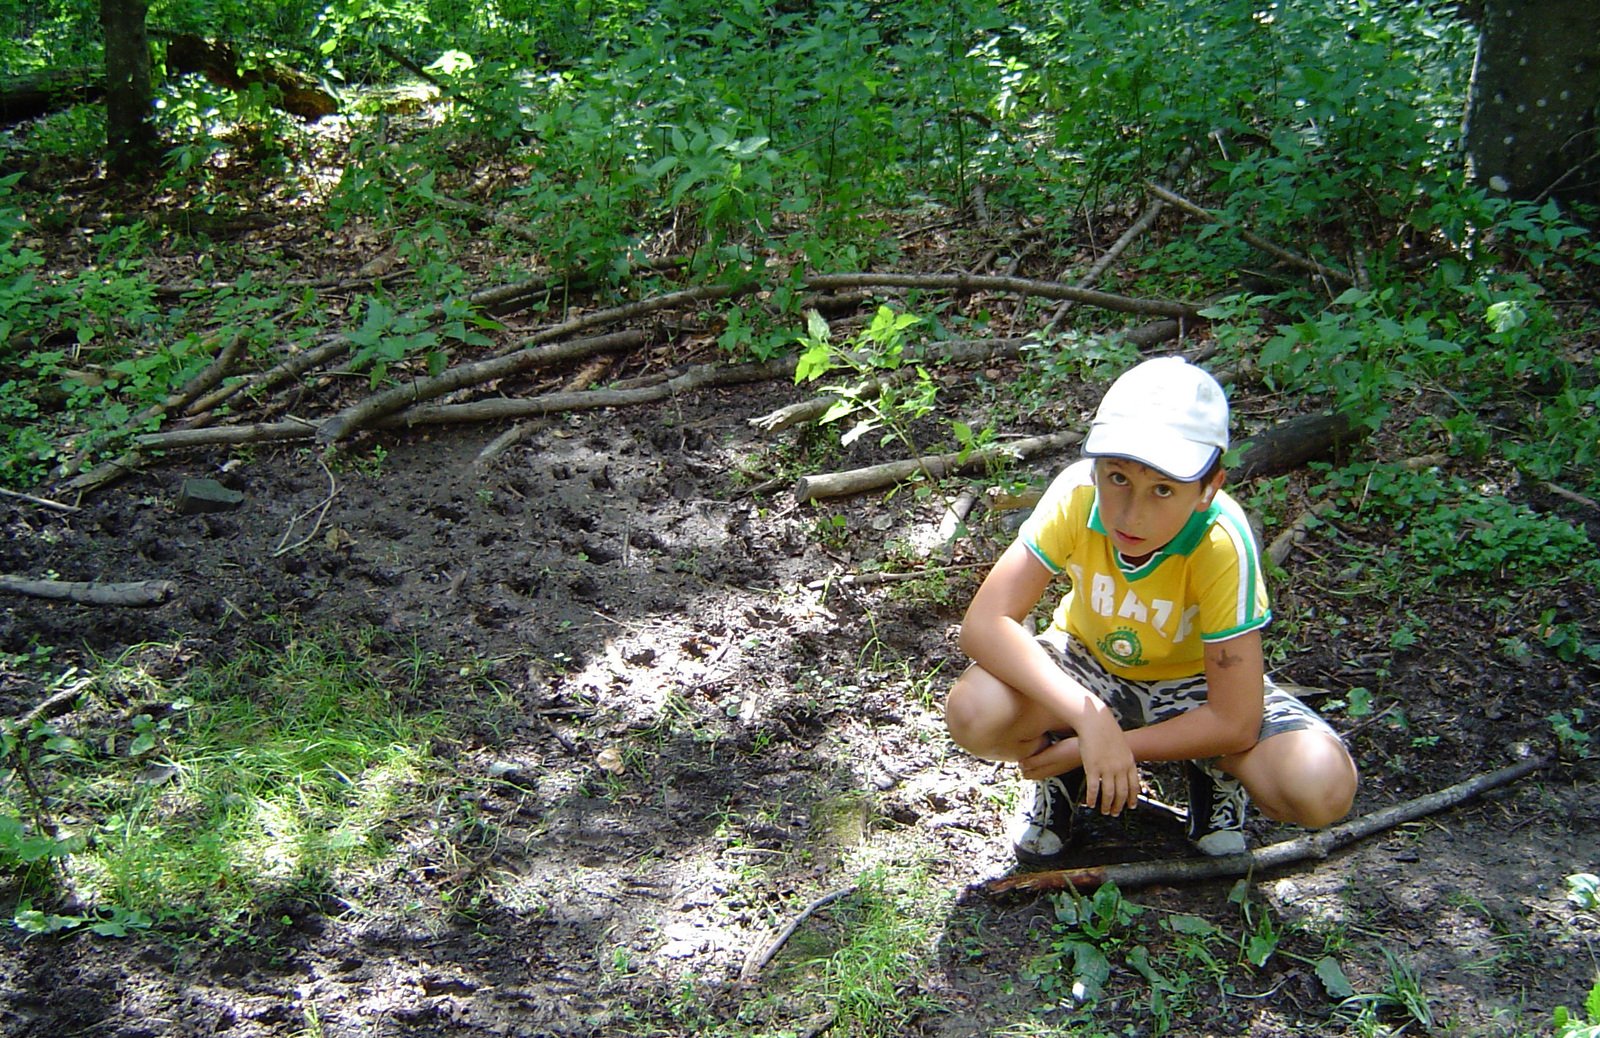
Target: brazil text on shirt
pixel 1140 618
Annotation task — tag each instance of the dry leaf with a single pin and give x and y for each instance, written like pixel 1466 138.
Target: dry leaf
pixel 610 759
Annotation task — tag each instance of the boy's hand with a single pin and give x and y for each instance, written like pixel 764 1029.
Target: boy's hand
pixel 1111 775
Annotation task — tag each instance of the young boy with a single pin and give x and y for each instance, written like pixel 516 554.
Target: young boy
pixel 1155 651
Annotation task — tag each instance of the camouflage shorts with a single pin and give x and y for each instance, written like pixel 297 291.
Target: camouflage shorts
pixel 1138 703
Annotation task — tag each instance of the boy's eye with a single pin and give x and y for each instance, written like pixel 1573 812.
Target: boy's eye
pixel 1117 479
pixel 1162 490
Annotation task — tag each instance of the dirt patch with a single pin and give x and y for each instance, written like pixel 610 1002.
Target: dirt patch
pixel 612 584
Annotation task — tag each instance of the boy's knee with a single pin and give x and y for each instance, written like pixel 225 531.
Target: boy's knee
pixel 979 721
pixel 1325 802
pixel 965 717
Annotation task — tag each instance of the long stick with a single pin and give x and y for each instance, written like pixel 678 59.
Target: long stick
pixel 968 283
pixel 136 593
pixel 1317 845
pixel 388 401
pixel 854 481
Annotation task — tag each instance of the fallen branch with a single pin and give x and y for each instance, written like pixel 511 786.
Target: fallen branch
pixel 139 593
pixel 1573 496
pixel 42 502
pixel 970 283
pixel 1314 846
pixel 522 430
pixel 497 299
pixel 219 61
pixel 200 383
pixel 697 377
pixel 479 410
pixel 1251 238
pixel 755 964
pixel 388 401
pixel 855 481
pixel 630 311
pixel 55 704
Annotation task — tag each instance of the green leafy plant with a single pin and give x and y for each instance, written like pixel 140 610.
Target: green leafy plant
pixel 1571 738
pixel 1570 1025
pixel 1583 890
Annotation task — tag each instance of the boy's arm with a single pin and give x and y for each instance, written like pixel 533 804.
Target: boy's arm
pixel 993 635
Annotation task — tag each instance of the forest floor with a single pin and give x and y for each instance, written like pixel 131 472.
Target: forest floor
pixel 673 724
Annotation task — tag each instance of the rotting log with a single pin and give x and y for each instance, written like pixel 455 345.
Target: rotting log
pixel 139 593
pixel 219 62
pixel 28 97
pixel 1315 846
pixel 1290 444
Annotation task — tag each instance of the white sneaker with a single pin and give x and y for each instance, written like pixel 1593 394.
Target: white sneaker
pixel 1216 811
pixel 1042 829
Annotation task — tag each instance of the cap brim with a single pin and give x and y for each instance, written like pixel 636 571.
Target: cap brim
pixel 1183 461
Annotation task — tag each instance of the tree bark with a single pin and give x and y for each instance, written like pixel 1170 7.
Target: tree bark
pixel 1535 87
pixel 130 134
pixel 1290 444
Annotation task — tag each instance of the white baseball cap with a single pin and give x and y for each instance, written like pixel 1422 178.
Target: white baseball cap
pixel 1166 413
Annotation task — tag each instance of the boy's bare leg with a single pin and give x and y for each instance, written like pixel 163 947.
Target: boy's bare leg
pixel 992 720
pixel 1304 777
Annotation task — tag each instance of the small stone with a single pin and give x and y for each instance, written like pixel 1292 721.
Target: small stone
pixel 199 496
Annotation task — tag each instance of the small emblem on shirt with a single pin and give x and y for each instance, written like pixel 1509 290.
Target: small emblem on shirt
pixel 1123 648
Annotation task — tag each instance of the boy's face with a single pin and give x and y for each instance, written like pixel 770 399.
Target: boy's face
pixel 1143 509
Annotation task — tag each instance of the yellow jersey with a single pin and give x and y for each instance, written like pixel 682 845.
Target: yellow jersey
pixel 1148 621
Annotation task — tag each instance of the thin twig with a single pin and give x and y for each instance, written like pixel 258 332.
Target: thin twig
pixel 42 502
pixel 1573 496
pixel 321 508
pixel 972 283
pixel 858 579
pixel 756 965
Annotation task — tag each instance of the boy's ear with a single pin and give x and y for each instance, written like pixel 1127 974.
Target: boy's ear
pixel 1212 485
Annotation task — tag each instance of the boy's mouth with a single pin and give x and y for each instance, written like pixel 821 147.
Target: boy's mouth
pixel 1129 539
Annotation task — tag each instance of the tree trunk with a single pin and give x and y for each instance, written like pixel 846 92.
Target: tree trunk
pixel 1535 88
pixel 130 135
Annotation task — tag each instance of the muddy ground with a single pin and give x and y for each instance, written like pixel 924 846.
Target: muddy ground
pixel 613 583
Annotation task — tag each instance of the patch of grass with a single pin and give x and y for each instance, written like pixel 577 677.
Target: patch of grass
pixel 862 961
pixel 224 787
pixel 1401 996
